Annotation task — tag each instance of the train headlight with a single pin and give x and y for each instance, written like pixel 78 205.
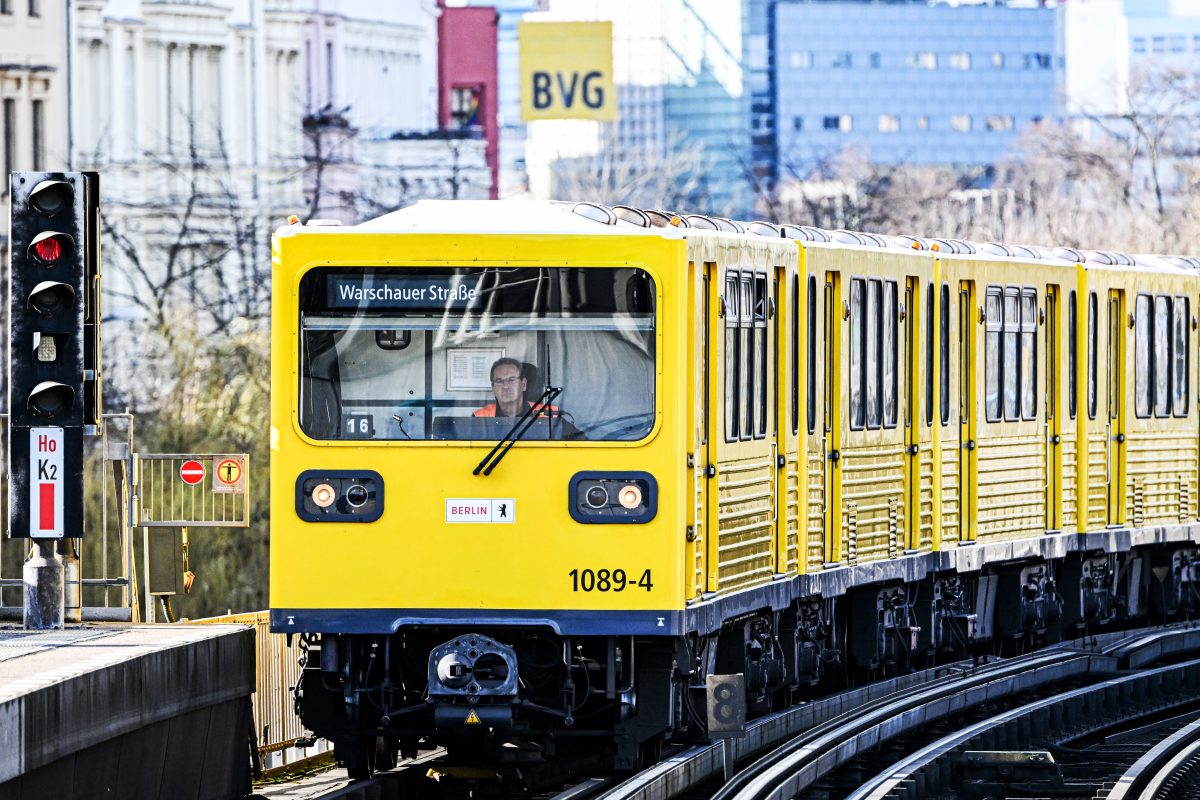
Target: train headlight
pixel 596 496
pixel 630 496
pixel 613 497
pixel 323 495
pixel 339 495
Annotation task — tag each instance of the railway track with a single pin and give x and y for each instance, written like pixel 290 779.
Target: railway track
pixel 909 736
pixel 822 737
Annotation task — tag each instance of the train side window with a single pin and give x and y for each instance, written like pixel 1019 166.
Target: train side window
pixel 1162 356
pixel 1029 361
pixel 733 360
pixel 890 320
pixel 1072 355
pixel 929 347
pixel 874 342
pixel 760 355
pixel 1092 314
pixel 1143 365
pixel 857 354
pixel 812 354
pixel 832 340
pixel 795 310
pixel 944 377
pixel 1010 357
pixel 991 368
pixel 1180 380
pixel 745 326
pixel 1115 337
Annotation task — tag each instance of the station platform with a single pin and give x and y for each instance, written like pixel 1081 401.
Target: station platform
pixel 130 711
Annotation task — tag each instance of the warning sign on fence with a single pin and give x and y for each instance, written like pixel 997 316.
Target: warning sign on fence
pixel 229 474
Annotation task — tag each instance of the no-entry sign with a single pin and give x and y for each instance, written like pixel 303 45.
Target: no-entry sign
pixel 191 472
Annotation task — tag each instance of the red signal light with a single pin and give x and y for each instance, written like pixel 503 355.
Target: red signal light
pixel 50 247
pixel 48 250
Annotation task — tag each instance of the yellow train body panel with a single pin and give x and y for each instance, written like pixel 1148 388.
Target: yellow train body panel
pixel 410 557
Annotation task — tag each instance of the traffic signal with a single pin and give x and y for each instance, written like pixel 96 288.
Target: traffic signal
pixel 52 348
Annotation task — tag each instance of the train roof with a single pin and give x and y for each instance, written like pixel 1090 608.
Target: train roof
pixel 521 217
pixel 534 217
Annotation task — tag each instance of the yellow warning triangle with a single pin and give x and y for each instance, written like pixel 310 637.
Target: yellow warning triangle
pixel 472 719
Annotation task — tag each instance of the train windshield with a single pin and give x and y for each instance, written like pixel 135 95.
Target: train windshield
pixel 461 353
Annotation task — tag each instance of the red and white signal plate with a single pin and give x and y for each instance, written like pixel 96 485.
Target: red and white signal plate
pixel 46 483
pixel 191 472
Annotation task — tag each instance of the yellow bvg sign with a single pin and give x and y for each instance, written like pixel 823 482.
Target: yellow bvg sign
pixel 566 71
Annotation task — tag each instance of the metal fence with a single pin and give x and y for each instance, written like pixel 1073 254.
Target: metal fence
pixel 277 671
pixel 165 499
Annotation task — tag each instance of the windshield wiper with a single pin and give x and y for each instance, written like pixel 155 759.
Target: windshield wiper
pixel 519 429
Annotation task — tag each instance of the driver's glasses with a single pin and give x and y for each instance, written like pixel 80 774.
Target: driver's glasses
pixel 505 381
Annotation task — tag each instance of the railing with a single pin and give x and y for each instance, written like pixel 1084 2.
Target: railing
pixel 277 670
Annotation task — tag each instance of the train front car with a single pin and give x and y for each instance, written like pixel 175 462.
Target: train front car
pixel 477 479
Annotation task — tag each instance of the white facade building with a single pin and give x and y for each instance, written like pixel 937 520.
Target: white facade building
pixel 212 122
pixel 33 93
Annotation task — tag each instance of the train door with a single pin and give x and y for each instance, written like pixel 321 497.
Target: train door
pixel 831 441
pixel 1115 456
pixel 784 389
pixel 713 421
pixel 968 470
pixel 1053 415
pixel 911 415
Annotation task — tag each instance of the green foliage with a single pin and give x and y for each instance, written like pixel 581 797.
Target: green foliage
pixel 208 393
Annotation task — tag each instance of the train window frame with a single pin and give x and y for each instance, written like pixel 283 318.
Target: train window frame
pixel 1093 322
pixel 1072 354
pixel 1115 353
pixel 873 367
pixel 857 356
pixel 365 314
pixel 993 360
pixel 1181 389
pixel 746 336
pixel 890 353
pixel 732 356
pixel 1010 354
pixel 812 354
pixel 1160 339
pixel 761 301
pixel 1028 353
pixel 929 354
pixel 830 328
pixel 944 364
pixel 1143 356
pixel 795 359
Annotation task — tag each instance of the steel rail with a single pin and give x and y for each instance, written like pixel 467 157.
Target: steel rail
pixel 685 770
pixel 816 753
pixel 1095 707
pixel 1157 773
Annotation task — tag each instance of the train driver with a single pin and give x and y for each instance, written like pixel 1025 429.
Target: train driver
pixel 508 385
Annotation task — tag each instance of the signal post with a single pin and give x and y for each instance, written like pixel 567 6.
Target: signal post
pixel 53 380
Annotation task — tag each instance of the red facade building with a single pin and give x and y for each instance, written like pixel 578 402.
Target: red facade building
pixel 467 78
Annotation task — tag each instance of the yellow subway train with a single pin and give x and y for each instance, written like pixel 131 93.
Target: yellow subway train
pixel 539 469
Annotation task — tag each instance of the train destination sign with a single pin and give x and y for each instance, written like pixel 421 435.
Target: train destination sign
pixel 399 292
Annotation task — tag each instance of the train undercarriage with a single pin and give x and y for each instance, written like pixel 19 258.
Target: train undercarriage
pixel 523 695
